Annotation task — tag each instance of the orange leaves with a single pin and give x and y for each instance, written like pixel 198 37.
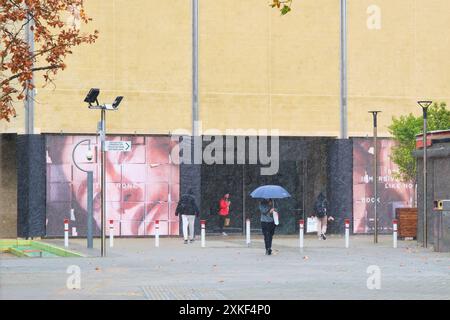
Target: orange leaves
pixel 276 3
pixel 54 40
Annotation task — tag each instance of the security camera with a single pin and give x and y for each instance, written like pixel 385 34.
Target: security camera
pixel 89 155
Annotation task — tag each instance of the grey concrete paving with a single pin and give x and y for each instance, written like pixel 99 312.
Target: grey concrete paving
pixel 227 269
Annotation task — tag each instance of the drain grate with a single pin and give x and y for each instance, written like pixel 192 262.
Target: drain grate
pixel 181 293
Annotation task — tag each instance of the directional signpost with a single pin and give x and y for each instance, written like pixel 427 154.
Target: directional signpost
pixel 119 146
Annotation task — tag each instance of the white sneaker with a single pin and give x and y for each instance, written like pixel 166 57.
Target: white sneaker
pixel 224 234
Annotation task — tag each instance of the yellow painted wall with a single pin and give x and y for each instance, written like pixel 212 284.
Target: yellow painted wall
pixel 257 69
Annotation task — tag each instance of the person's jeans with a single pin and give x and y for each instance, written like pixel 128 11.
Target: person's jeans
pixel 268 229
pixel 322 225
pixel 188 221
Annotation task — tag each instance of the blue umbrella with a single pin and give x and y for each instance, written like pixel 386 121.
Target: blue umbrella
pixel 270 192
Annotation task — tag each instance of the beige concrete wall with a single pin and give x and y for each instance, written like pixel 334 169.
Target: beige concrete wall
pixel 257 69
pixel 391 68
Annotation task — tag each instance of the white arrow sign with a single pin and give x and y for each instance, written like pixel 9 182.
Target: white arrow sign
pixel 119 146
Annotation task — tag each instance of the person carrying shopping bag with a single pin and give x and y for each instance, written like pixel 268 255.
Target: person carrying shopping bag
pixel 321 212
pixel 188 210
pixel 269 216
pixel 267 223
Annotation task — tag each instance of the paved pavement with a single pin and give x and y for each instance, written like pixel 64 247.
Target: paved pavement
pixel 227 269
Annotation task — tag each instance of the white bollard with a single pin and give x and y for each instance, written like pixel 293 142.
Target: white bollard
pixel 301 233
pixel 394 233
pixel 157 233
pixel 111 233
pixel 203 232
pixel 66 233
pixel 247 232
pixel 347 232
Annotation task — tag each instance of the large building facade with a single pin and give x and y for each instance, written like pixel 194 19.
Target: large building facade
pixel 257 70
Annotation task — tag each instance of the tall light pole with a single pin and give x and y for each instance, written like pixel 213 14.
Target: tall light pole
pixel 425 104
pixel 343 76
pixel 92 97
pixel 375 173
pixel 30 93
pixel 195 112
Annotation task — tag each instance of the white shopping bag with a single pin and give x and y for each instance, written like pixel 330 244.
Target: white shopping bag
pixel 275 218
pixel 311 224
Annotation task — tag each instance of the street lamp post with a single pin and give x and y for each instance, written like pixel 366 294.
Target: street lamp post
pixel 375 172
pixel 343 72
pixel 92 97
pixel 103 179
pixel 30 93
pixel 195 108
pixel 425 104
pixel 90 191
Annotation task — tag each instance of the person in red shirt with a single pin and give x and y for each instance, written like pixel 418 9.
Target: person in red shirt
pixel 224 211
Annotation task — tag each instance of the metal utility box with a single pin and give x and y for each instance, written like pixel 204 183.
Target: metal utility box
pixel 441 225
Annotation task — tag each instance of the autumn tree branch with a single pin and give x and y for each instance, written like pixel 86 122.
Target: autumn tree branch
pixel 54 40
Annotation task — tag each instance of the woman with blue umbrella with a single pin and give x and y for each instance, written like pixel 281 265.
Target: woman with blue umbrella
pixel 267 210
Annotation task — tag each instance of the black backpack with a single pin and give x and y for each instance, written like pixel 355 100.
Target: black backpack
pixel 321 208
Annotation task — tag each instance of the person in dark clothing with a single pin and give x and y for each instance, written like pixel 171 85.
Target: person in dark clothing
pixel 188 210
pixel 321 212
pixel 267 223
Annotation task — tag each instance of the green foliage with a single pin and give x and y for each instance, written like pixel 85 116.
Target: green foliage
pixel 404 130
pixel 285 10
pixel 283 5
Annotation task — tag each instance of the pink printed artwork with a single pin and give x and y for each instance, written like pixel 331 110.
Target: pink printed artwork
pixel 392 193
pixel 142 185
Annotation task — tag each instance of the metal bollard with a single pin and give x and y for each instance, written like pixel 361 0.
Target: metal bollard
pixel 301 233
pixel 203 232
pixel 394 233
pixel 347 232
pixel 66 233
pixel 157 233
pixel 111 233
pixel 247 232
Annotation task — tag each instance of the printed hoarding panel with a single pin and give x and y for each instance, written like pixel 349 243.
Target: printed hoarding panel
pixel 142 185
pixel 392 193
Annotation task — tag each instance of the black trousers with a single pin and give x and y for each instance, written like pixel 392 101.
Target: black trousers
pixel 222 222
pixel 268 229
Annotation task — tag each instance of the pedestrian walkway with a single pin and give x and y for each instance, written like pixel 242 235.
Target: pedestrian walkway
pixel 228 269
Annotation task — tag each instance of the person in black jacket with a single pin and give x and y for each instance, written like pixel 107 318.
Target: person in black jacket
pixel 188 210
pixel 321 212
